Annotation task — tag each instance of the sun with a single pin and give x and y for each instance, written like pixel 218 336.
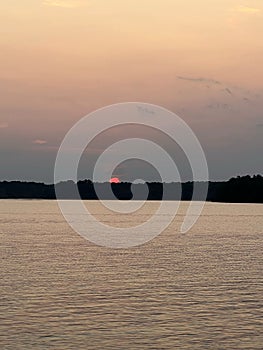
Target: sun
pixel 114 180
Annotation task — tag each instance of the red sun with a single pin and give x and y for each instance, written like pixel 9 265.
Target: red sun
pixel 114 180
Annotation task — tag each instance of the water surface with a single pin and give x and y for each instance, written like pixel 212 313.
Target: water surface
pixel 200 290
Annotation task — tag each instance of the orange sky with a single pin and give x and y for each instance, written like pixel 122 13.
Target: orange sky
pixel 61 59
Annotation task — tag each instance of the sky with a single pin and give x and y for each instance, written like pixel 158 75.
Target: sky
pixel 62 59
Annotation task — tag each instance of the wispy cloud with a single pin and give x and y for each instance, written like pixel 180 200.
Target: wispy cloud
pixel 39 142
pixel 228 91
pixel 248 10
pixel 213 83
pixel 218 105
pixel 64 3
pixel 3 125
pixel 200 80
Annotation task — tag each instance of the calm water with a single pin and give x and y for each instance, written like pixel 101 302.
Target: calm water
pixel 200 290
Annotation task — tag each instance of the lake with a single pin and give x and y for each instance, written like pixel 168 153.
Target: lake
pixel 199 290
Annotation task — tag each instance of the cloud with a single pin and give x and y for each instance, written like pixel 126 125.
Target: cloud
pixel 200 80
pixel 64 3
pixel 248 10
pixel 39 142
pixel 3 125
pixel 218 106
pixel 228 91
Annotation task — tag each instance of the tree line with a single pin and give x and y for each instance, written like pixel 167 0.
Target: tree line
pixel 241 189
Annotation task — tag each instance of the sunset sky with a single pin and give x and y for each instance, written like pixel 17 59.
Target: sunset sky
pixel 61 59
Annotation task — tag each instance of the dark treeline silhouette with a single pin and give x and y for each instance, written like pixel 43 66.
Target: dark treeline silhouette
pixel 244 189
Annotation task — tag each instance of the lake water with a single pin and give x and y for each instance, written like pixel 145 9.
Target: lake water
pixel 200 290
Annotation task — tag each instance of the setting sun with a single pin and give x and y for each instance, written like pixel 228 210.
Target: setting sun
pixel 114 180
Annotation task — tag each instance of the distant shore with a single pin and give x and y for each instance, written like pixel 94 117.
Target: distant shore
pixel 245 189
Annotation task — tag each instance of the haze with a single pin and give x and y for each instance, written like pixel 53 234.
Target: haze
pixel 61 59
